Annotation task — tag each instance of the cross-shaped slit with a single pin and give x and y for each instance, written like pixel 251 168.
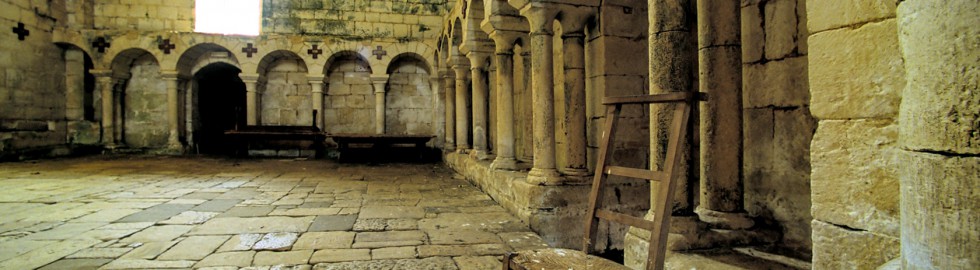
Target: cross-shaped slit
pixel 101 44
pixel 379 52
pixel 249 50
pixel 21 31
pixel 314 51
pixel 166 46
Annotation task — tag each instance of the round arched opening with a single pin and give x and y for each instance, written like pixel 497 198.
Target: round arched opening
pixel 219 105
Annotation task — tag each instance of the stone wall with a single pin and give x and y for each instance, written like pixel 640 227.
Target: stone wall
pixel 857 76
pixel 287 97
pixel 349 103
pixel 409 99
pixel 144 15
pixel 355 19
pixel 777 123
pixel 32 84
pixel 145 102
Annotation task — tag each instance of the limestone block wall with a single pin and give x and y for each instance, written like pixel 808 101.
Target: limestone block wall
pixel 355 19
pixel 145 106
pixel 408 98
pixel 144 15
pixel 777 122
pixel 857 76
pixel 287 98
pixel 32 105
pixel 349 103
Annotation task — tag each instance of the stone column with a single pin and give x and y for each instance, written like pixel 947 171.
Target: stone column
pixel 437 115
pixel 575 129
pixel 541 18
pixel 505 101
pixel 673 54
pixel 119 87
pixel 450 99
pixel 940 145
pixel 251 99
pixel 462 95
pixel 317 83
pixel 720 69
pixel 173 112
pixel 106 84
pixel 74 84
pixel 379 82
pixel 479 112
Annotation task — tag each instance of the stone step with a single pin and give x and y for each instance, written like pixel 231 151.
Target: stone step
pixel 733 259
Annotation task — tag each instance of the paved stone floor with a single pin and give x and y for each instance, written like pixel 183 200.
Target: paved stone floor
pixel 178 212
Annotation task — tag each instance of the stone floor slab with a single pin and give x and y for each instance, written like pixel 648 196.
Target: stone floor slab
pixel 235 225
pixel 324 240
pixel 234 258
pixel 340 255
pixel 333 223
pixel 76 264
pixel 287 257
pixel 276 241
pixel 193 248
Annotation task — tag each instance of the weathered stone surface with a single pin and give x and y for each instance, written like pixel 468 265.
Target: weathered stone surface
pixel 276 241
pixel 278 258
pixel 461 250
pixel 779 83
pixel 158 234
pixel 855 177
pixel 157 213
pixel 248 211
pixel 235 258
pixel 388 239
pixel 860 81
pixel 836 247
pixel 324 240
pixel 388 212
pixel 482 262
pixel 340 255
pixel 97 253
pixel 393 253
pixel 76 264
pixel 235 225
pixel 148 250
pixel 47 254
pixel 240 242
pixel 458 237
pixel 190 217
pixel 435 263
pixel 193 248
pixel 146 264
pixel 518 241
pixel 825 15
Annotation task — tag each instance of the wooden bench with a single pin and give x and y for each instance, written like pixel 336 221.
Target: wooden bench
pixel 379 141
pixel 248 137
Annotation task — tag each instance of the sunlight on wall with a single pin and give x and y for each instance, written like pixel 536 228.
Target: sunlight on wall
pixel 230 17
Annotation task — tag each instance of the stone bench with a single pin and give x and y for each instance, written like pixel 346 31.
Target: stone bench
pixel 277 137
pixel 382 142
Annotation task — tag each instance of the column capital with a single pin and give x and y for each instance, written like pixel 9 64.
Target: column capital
pixel 379 82
pixel 315 78
pixel 574 18
pixel 541 17
pixel 478 60
pixel 504 40
pixel 169 75
pixel 101 72
pixel 249 77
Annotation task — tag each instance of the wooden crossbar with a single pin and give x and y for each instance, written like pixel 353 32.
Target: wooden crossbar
pixel 636 173
pixel 624 219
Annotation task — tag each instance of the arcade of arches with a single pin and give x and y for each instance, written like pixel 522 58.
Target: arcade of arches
pixel 836 135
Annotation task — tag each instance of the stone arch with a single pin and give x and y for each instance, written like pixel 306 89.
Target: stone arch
pixel 286 94
pixel 216 103
pixel 349 105
pixel 122 61
pixel 409 96
pixel 80 103
pixel 141 99
pixel 203 54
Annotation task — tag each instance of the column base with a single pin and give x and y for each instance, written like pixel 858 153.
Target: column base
pixel 547 177
pixel 449 146
pixel 481 154
pixel 725 220
pixel 463 150
pixel 502 163
pixel 575 171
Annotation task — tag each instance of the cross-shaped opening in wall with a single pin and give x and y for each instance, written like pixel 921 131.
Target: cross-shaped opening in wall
pixel 21 31
pixel 229 17
pixel 249 50
pixel 314 51
pixel 166 46
pixel 379 52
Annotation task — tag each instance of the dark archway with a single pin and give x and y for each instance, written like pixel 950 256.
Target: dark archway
pixel 219 105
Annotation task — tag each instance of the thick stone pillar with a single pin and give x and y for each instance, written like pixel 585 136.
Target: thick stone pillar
pixel 450 99
pixel 672 57
pixel 173 110
pixel 106 85
pixel 541 18
pixel 573 44
pixel 462 95
pixel 479 82
pixel 720 75
pixel 379 82
pixel 940 145
pixel 316 82
pixel 506 159
pixel 251 99
pixel 74 84
pixel 438 115
pixel 119 87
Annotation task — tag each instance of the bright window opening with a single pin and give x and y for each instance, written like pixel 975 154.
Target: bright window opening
pixel 229 17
